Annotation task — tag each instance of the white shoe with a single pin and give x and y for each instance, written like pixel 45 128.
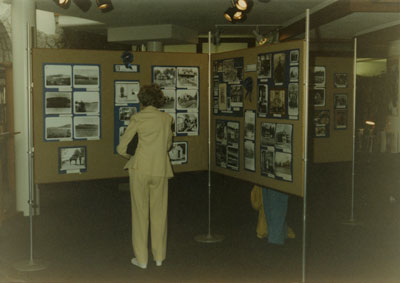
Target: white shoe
pixel 140 265
pixel 158 262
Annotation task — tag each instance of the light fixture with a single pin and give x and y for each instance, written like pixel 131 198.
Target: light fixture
pixel 229 13
pixel 63 3
pixel 370 123
pixel 260 39
pixel 105 5
pixel 216 37
pixel 241 5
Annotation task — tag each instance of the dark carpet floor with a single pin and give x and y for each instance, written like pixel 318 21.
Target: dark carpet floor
pixel 83 231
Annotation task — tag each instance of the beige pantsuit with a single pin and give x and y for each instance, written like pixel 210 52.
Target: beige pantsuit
pixel 149 170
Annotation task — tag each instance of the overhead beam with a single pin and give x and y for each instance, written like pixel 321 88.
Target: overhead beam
pixel 371 6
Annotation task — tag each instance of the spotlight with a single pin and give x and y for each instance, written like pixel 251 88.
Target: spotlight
pixel 63 3
pixel 260 39
pixel 229 14
pixel 104 5
pixel 241 5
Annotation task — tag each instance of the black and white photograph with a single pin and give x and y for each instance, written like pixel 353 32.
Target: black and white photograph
pixel 283 165
pixel 293 100
pixel 249 155
pixel 58 102
pixel 318 96
pixel 340 80
pixel 126 112
pixel 187 99
pixel 262 102
pixel 294 57
pixel 58 128
pixel 340 119
pixel 268 134
pixel 340 101
pixel 318 76
pixel 233 134
pixel 86 76
pixel 216 88
pixel 277 103
pixel 56 76
pixel 250 125
pixel 126 92
pixel 221 135
pixel 283 137
pixel 178 153
pixel 86 102
pixel 187 123
pixel 279 68
pixel 267 162
pixel 230 73
pixel 72 159
pixel 222 99
pixel 170 99
pixel 264 65
pixel 87 127
pixel 188 77
pixel 294 74
pixel 220 155
pixel 321 123
pixel 236 95
pixel 232 161
pixel 165 77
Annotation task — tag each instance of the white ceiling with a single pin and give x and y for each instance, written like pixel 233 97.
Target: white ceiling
pixel 202 16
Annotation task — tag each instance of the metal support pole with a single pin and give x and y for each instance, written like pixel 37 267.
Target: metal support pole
pixel 209 238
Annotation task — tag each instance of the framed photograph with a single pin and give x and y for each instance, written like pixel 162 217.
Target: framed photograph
pixel 236 95
pixel 264 65
pixel 222 100
pixel 318 76
pixel 340 101
pixel 340 119
pixel 86 76
pixel 340 80
pixel 165 77
pixel 187 123
pixel 318 96
pixel 58 103
pixel 262 102
pixel 72 159
pixel 283 137
pixel 86 102
pixel 279 68
pixel 125 112
pixel 283 165
pixel 321 123
pixel 178 153
pixel 187 99
pixel 233 134
pixel 58 128
pixel 293 100
pixel 57 76
pixel 294 57
pixel 268 131
pixel 188 77
pixel 126 92
pixel 221 132
pixel 250 125
pixel 267 162
pixel 232 161
pixel 87 127
pixel 230 73
pixel 249 155
pixel 170 100
pixel 277 103
pixel 294 74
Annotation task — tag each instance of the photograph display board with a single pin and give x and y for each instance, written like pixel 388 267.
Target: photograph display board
pixel 271 150
pixel 71 102
pixel 85 89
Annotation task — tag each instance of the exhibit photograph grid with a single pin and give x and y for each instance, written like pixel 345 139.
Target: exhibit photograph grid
pixel 276 150
pixel 181 88
pixel 228 92
pixel 71 102
pixel 126 103
pixel 227 149
pixel 278 84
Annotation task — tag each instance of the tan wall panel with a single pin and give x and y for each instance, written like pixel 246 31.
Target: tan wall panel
pixel 338 146
pixel 101 160
pixel 250 57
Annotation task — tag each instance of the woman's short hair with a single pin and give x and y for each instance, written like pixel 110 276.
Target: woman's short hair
pixel 151 95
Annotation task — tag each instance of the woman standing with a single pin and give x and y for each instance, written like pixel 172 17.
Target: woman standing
pixel 149 171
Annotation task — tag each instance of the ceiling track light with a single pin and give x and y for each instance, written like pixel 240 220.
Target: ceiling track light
pixel 236 13
pixel 105 5
pixel 260 39
pixel 63 3
pixel 241 5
